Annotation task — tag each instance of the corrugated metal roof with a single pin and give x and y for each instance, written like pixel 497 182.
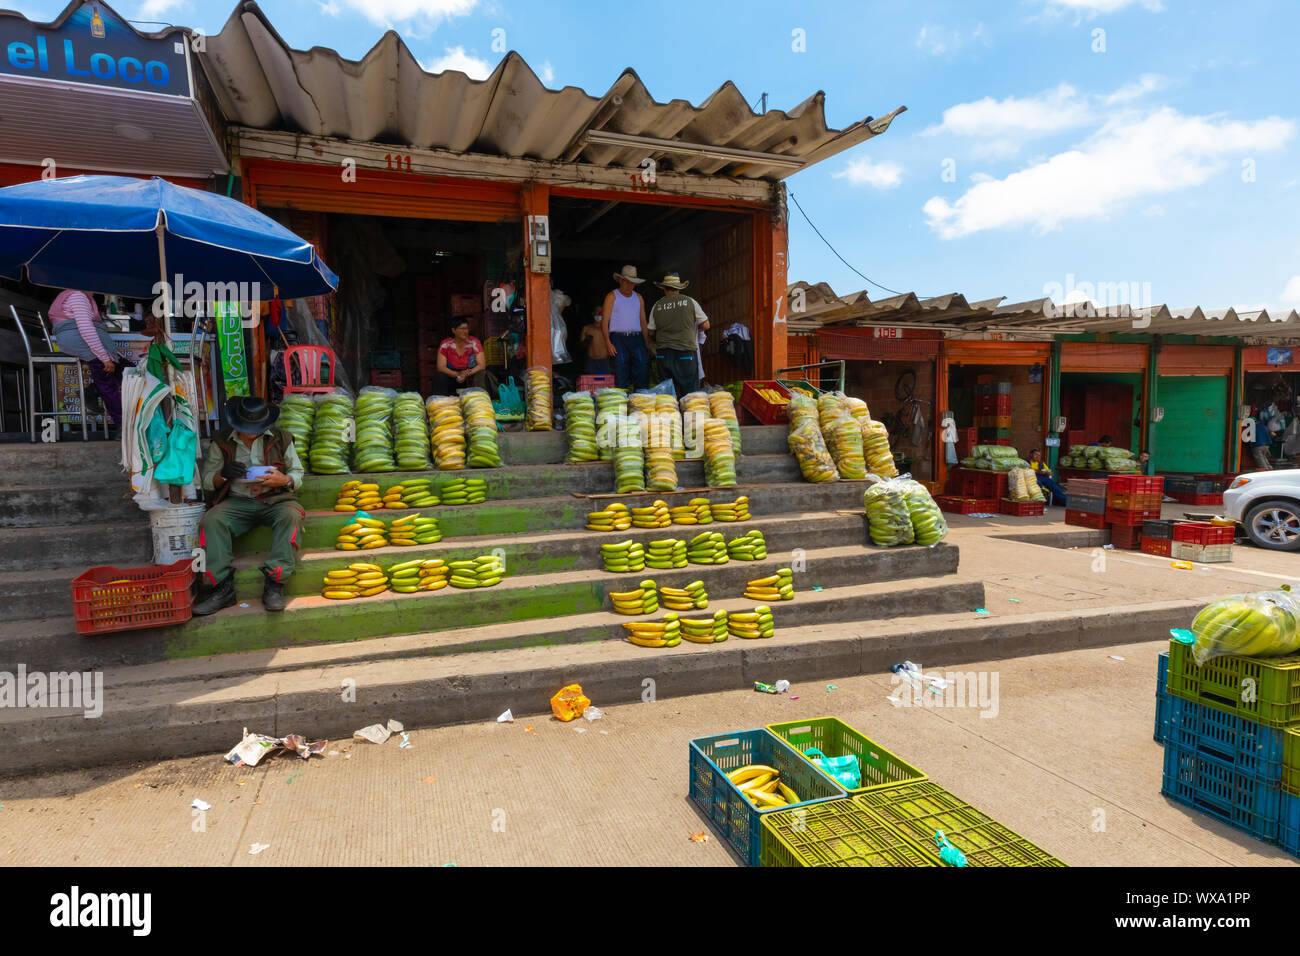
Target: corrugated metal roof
pixel 954 314
pixel 388 97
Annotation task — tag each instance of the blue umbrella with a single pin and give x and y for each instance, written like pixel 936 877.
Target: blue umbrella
pixel 117 235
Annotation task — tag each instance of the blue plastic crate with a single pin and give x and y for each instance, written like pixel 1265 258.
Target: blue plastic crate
pixel 1243 744
pixel 1164 702
pixel 737 820
pixel 1288 836
pixel 1213 786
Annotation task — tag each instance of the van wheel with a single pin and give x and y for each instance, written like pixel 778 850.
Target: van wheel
pixel 1274 525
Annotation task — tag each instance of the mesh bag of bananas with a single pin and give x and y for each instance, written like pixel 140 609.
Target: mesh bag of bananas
pixel 331 426
pixel 723 406
pixel 661 470
pixel 537 399
pixel 643 402
pixel 807 445
pixel 296 414
pixel 844 442
pixel 410 433
pixel 875 446
pixel 629 453
pixel 611 404
pixel 580 426
pixel 889 521
pixel 373 450
pixel 928 523
pixel 446 431
pixel 1022 485
pixel 719 459
pixel 858 409
pixel 667 405
pixel 1264 624
pixel 802 408
pixel 481 428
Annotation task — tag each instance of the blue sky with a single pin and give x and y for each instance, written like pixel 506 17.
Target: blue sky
pixel 1162 150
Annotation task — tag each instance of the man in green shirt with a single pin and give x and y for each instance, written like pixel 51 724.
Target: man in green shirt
pixel 673 323
pixel 240 504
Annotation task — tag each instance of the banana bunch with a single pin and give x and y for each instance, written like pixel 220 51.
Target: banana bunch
pixel 463 491
pixel 643 402
pixel 1264 624
pixel 660 470
pixel 875 445
pixel 723 406
pixel 858 409
pixel 774 587
pixel 611 405
pixel 762 786
pixel 537 395
pixel 359 580
pixel 802 408
pixel 411 493
pixel 697 511
pixel 410 530
pixel 355 496
pixel 719 455
pixel 615 517
pixel 670 417
pixel 580 426
pixel 296 414
pixel 750 546
pixel 446 432
pixel 807 445
pixel 410 433
pixel 665 633
pixel 708 547
pixel 889 522
pixel 362 534
pixel 652 516
pixel 844 442
pixel 482 572
pixel 751 625
pixel 695 411
pixel 629 455
pixel 693 597
pixel 329 447
pixel 829 406
pixel 644 600
pixel 705 630
pixel 737 510
pixel 772 395
pixel 624 556
pixel 666 553
pixel 481 427
pixel 373 450
pixel 928 523
pixel 411 576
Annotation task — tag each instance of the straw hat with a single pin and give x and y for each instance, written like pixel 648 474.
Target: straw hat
pixel 629 273
pixel 672 281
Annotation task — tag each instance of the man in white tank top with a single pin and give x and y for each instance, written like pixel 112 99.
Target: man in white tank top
pixel 624 326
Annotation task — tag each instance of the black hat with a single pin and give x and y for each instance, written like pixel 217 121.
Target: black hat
pixel 251 416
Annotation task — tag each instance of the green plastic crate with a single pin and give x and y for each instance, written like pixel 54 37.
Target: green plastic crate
pixel 1291 761
pixel 918 810
pixel 800 383
pixel 834 738
pixel 1274 682
pixel 838 833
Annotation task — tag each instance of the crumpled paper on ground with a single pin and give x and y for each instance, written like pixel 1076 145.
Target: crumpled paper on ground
pixel 249 751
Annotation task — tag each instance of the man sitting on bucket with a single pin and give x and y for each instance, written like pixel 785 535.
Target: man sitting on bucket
pixel 252 441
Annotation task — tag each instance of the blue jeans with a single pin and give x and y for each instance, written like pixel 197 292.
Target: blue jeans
pixel 632 361
pixel 1049 485
pixel 597 366
pixel 681 368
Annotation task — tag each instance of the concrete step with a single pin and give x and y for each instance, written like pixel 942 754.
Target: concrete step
pixel 36 594
pixel 533 598
pixel 69 500
pixel 541 448
pixel 180 709
pixel 123 544
pixel 27 464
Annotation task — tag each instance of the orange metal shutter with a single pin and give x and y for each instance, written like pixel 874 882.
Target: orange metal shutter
pixel 1103 357
pixel 1195 360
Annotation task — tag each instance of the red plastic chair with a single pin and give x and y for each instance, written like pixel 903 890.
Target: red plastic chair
pixel 307 360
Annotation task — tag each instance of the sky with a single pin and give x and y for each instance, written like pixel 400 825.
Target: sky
pixel 1146 151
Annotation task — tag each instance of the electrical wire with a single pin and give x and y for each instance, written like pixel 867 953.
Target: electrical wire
pixel 837 255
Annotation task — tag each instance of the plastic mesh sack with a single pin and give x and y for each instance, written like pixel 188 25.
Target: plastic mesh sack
pixel 928 523
pixel 446 432
pixel 875 447
pixel 411 432
pixel 889 520
pixel 611 404
pixel 1248 625
pixel 330 428
pixel 843 438
pixel 629 453
pixel 537 399
pixel 994 451
pixel 480 429
pixel 580 426
pixel 296 416
pixel 1022 485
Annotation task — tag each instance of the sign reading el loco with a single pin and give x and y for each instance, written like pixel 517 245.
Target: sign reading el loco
pixel 95 46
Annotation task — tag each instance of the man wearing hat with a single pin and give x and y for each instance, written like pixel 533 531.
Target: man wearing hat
pixel 624 326
pixel 674 322
pixel 240 504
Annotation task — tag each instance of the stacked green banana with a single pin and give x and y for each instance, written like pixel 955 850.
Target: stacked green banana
pixel 296 415
pixel 580 424
pixel 928 523
pixel 482 572
pixel 748 547
pixel 665 554
pixel 410 530
pixel 418 575
pixel 629 455
pixel 652 516
pixel 643 600
pixel 888 517
pixel 693 597
pixel 331 434
pixel 708 547
pixel 463 491
pixel 665 633
pixel 753 624
pixel 411 493
pixel 695 411
pixel 719 455
pixel 446 432
pixel 723 406
pixel 373 450
pixel 611 405
pixel 1248 625
pixel 481 427
pixel 624 556
pixel 705 630
pixel 411 434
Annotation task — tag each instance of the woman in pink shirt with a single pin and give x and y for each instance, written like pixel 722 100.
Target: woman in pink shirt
pixel 80 331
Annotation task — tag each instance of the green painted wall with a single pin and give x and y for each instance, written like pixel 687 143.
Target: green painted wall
pixel 1190 438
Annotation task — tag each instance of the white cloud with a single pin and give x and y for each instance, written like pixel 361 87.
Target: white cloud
pixel 411 13
pixel 938 39
pixel 1146 83
pixel 1094 7
pixel 1127 159
pixel 1291 294
pixel 157 10
pixel 548 73
pixel 455 58
pixel 330 8
pixel 1154 210
pixel 863 172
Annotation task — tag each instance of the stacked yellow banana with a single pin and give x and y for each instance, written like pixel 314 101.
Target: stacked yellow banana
pixel 762 786
pixel 652 516
pixel 693 597
pixel 660 471
pixel 358 580
pixel 362 534
pixel 614 518
pixel 697 511
pixel 665 633
pixel 644 600
pixel 410 530
pixel 537 391
pixel 737 510
pixel 411 493
pixel 772 395
pixel 446 432
pixel 774 587
pixel 411 576
pixel 354 496
pixel 751 624
pixel 705 630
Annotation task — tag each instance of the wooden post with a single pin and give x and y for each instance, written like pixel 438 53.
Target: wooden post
pixel 537 288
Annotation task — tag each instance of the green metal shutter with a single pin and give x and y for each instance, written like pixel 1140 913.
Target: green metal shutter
pixel 1191 436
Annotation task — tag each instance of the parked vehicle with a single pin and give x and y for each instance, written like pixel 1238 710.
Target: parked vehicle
pixel 1267 505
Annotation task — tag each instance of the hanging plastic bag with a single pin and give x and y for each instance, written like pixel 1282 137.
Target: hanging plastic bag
pixel 889 520
pixel 559 331
pixel 1265 624
pixel 537 398
pixel 580 426
pixel 808 446
pixel 928 523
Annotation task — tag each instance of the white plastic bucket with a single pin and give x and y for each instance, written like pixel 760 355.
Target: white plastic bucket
pixel 175 532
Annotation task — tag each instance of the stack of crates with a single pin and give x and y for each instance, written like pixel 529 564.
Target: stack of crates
pixel 1131 500
pixel 1202 541
pixel 1086 502
pixel 1235 760
pixel 1198 489
pixel 1157 538
pixel 993 413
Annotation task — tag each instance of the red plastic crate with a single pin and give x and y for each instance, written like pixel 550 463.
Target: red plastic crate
pixel 1204 533
pixel 766 412
pixel 125 599
pixel 966 506
pixel 1158 546
pixel 1133 500
pixel 1133 516
pixel 1188 498
pixel 977 483
pixel 1085 520
pixel 386 378
pixel 1021 509
pixel 1126 537
pixel 1135 483
pixel 589 383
